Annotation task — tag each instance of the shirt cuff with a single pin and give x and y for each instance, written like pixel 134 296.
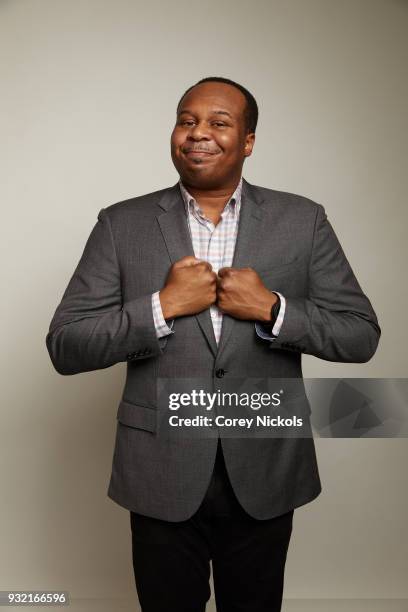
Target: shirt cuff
pixel 162 329
pixel 263 332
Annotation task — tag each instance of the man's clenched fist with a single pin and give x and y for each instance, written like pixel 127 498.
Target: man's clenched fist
pixel 190 288
pixel 242 294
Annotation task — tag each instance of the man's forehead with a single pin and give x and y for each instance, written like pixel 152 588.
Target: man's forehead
pixel 213 110
pixel 227 99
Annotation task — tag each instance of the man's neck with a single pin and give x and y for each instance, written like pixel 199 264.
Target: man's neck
pixel 212 201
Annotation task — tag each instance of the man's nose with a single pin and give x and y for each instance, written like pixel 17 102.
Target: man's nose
pixel 200 131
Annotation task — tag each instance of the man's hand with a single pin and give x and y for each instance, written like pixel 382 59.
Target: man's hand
pixel 191 286
pixel 242 294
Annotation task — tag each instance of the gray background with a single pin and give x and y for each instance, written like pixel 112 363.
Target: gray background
pixel 89 91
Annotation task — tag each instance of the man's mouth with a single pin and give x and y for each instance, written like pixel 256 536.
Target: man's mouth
pixel 198 153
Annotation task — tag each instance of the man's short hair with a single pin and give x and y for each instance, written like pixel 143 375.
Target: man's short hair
pixel 251 109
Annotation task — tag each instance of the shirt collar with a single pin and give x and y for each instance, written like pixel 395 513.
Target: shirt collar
pixel 234 202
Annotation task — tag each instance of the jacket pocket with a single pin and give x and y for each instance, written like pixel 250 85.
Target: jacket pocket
pixel 137 416
pixel 298 404
pixel 282 266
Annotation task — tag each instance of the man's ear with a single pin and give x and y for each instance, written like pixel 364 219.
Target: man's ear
pixel 249 143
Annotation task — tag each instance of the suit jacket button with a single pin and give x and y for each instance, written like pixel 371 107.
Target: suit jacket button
pixel 130 356
pixel 220 373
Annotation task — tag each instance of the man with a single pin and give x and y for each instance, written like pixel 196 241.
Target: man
pixel 217 278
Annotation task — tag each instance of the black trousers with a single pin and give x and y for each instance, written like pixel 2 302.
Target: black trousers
pixel 171 560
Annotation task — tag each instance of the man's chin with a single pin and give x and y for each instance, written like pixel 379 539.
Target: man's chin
pixel 196 166
pixel 197 172
pixel 202 181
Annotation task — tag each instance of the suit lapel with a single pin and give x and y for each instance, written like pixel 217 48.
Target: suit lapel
pixel 250 222
pixel 174 227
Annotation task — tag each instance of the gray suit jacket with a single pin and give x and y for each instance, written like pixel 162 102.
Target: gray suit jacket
pixel 105 317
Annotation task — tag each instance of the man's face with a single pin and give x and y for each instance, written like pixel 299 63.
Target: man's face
pixel 209 142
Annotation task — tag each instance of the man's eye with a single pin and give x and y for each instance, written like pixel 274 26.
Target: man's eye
pixel 219 123
pixel 186 122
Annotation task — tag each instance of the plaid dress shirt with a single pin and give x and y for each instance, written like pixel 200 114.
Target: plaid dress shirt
pixel 215 244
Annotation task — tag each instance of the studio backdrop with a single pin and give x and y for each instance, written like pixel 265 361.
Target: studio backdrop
pixel 89 95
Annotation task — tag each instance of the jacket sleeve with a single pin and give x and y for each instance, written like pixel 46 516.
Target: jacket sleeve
pixel 92 328
pixel 336 322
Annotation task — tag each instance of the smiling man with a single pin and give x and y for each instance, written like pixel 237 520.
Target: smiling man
pixel 211 278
